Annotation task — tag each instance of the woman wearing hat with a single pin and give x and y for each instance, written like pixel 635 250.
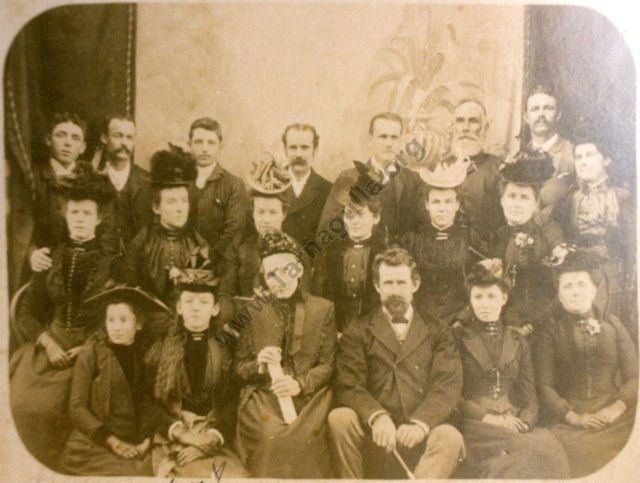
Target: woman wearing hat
pixel 285 360
pixel 170 242
pixel 188 372
pixel 499 407
pixel 106 403
pixel 586 371
pixel 56 321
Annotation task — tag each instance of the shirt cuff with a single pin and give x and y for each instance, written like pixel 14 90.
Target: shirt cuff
pixel 172 427
pixel 218 434
pixel 39 339
pixel 423 426
pixel 375 415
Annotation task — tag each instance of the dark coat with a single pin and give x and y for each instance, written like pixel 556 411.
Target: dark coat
pixel 219 209
pixel 101 396
pixel 240 266
pixel 329 280
pixel 304 211
pixel 312 348
pixel 419 379
pixel 129 211
pixel 402 201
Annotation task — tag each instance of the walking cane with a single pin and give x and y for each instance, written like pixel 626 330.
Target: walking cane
pixel 403 464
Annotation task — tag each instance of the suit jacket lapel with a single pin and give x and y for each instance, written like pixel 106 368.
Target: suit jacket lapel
pixel 382 331
pixel 473 343
pixel 398 189
pixel 298 327
pixel 510 347
pixel 418 330
pixel 308 194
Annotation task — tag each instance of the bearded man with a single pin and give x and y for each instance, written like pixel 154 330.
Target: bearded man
pixel 398 378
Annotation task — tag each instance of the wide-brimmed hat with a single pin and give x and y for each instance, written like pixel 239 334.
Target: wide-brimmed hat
pixel 267 177
pixel 134 296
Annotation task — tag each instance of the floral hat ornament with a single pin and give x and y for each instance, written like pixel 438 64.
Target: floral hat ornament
pixel 268 177
pixel 197 275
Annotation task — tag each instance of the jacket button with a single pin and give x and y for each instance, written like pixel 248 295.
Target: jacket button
pixel 416 367
pixel 421 391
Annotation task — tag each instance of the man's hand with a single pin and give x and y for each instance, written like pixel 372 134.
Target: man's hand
pixel 269 355
pixel 143 447
pixel 588 421
pixel 40 260
pixel 410 435
pixel 122 448
pixel 73 352
pixel 519 425
pixel 611 413
pixel 285 386
pixel 384 432
pixel 57 356
pixel 189 454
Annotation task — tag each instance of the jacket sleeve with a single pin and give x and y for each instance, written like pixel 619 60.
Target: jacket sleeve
pixel 524 387
pixel 245 365
pixel 320 375
pixel 333 205
pixel 132 263
pixel 352 374
pixel 80 411
pixel 235 216
pixel 445 381
pixel 544 359
pixel 35 310
pixel 628 361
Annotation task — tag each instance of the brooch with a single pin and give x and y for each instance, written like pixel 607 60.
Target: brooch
pixel 592 326
pixel 523 240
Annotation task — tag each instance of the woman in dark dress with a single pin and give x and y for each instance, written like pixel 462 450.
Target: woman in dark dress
pixel 191 409
pixel 55 321
pixel 107 398
pixel 587 372
pixel 499 407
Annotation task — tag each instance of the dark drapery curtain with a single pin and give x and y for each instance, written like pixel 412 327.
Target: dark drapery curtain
pixel 583 57
pixel 73 58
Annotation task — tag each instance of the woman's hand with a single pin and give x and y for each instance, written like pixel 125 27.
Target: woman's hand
pixel 189 454
pixel 57 356
pixel 285 386
pixel 501 421
pixel 40 260
pixel 269 355
pixel 612 413
pixel 588 421
pixel 143 447
pixel 122 448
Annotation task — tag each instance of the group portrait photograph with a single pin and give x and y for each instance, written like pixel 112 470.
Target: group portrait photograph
pixel 318 240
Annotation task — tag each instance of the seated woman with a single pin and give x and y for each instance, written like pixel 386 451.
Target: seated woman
pixel 285 360
pixel 499 407
pixel 188 371
pixel 106 403
pixel 55 320
pixel 587 371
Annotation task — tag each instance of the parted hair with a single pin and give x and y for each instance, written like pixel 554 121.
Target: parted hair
pixel 395 257
pixel 301 127
pixel 389 116
pixel 207 123
pixel 72 117
pixel 104 126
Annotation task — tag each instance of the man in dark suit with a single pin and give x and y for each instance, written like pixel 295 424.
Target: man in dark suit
pixel 402 208
pixel 308 191
pixel 131 208
pixel 398 378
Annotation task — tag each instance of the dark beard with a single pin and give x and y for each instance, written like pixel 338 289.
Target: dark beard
pixel 396 305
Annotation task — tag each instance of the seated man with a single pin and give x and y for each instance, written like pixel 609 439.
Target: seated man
pixel 398 378
pixel 285 360
pixel 188 374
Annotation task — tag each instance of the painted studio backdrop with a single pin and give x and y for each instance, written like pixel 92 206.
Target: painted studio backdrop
pixel 258 67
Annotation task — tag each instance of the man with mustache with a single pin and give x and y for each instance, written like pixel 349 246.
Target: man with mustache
pixel 480 190
pixel 218 198
pixel 131 208
pixel 308 191
pixel 398 378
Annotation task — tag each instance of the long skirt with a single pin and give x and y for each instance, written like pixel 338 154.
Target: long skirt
pixel 39 396
pixel 222 461
pixel 271 448
pixel 590 449
pixel 82 456
pixel 495 452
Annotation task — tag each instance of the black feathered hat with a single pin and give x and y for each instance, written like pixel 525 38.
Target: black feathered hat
pixel 86 184
pixel 529 167
pixel 172 167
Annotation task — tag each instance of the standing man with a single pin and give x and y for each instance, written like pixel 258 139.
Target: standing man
pixel 131 208
pixel 218 198
pixel 66 142
pixel 480 190
pixel 308 191
pixel 398 378
pixel 402 209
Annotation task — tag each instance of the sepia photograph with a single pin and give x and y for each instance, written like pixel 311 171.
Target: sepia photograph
pixel 330 240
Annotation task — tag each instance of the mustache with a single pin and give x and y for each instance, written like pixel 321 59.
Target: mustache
pixel 298 161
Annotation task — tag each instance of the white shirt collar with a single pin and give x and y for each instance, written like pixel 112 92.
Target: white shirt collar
pixel 400 330
pixel 204 173
pixel 59 169
pixel 298 185
pixel 548 144
pixel 119 177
